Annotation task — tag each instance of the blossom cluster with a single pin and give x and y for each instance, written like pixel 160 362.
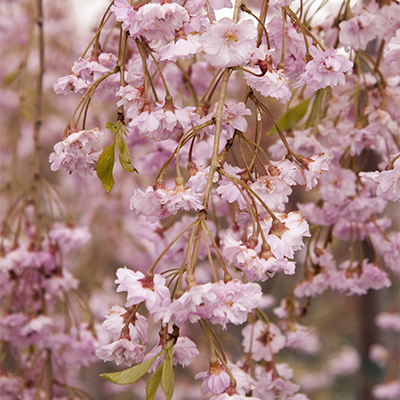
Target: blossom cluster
pixel 268 152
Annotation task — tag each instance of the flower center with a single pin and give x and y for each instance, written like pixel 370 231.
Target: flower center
pixel 230 37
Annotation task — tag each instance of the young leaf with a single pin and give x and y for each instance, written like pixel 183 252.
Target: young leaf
pixel 104 167
pixel 130 375
pixel 167 378
pixel 153 382
pixel 123 152
pixel 288 120
pixel 111 127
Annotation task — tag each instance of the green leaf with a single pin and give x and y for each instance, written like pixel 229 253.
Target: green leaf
pixel 167 378
pixel 288 120
pixel 9 79
pixel 111 126
pixel 153 382
pixel 123 152
pixel 130 375
pixel 104 167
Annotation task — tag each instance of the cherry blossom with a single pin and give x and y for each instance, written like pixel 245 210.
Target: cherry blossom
pixel 75 153
pixel 273 83
pixel 325 69
pixel 392 51
pixel 388 182
pixel 141 288
pixel 227 44
pixel 261 339
pixel 122 351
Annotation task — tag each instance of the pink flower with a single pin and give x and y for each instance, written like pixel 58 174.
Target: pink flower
pixel 392 53
pixel 273 83
pixel 70 84
pixel 346 362
pixel 181 48
pixel 221 303
pixel 387 391
pixel 226 189
pixel 159 21
pixel 312 287
pixel 358 279
pixel 245 258
pixel 388 182
pixel 261 339
pixel 185 351
pixel 68 238
pixel 389 321
pixel 131 100
pixel 358 31
pixel 149 203
pixel 75 153
pixel 286 236
pixel 234 301
pixel 227 44
pixel 122 351
pixel 272 190
pixel 215 380
pixel 326 69
pixel 141 288
pixel 115 321
pixel 315 166
pixel 337 185
pixel 379 355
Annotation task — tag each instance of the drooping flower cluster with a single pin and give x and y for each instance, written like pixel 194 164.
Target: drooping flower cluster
pixel 263 147
pixel 76 153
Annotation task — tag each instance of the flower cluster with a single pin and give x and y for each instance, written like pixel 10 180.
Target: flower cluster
pixel 267 151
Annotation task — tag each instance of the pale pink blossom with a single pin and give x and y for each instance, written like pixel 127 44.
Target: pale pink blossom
pixel 286 236
pixel 227 189
pixel 388 182
pixel 358 31
pixel 387 391
pixel 303 339
pixel 244 382
pixel 131 99
pixel 115 321
pixel 68 238
pixel 392 53
pixel 261 339
pixel 272 190
pixel 346 362
pixel 70 84
pixel 122 351
pixel 215 380
pixel 392 252
pixel 358 278
pixel 388 320
pixel 185 351
pixel 273 83
pixel 180 48
pixel 312 287
pixel 315 166
pixel 76 153
pixel 163 122
pixel 337 185
pixel 234 301
pixel 379 355
pixel 226 396
pixel 220 302
pixel 325 69
pixel 244 257
pixel 141 288
pixel 149 204
pixel 227 44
